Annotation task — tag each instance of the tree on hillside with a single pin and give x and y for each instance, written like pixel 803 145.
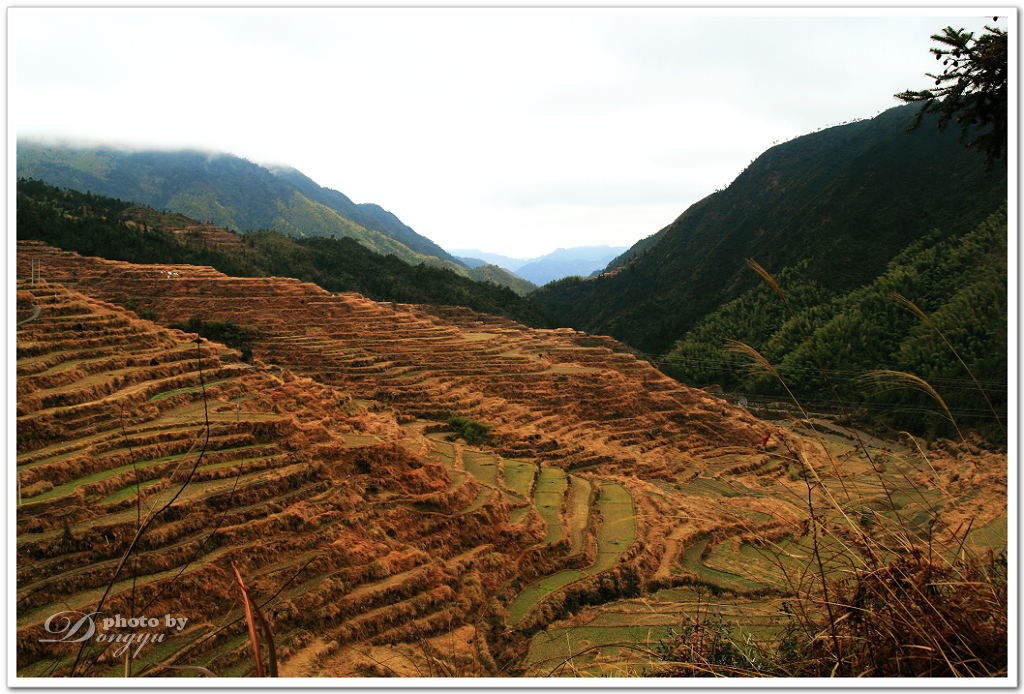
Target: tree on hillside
pixel 972 88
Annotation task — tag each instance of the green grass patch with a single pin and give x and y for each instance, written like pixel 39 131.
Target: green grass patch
pixel 458 477
pixel 356 440
pixel 161 652
pixel 211 449
pixel 129 491
pixel 648 615
pixel 550 649
pixel 229 463
pixel 547 497
pixel 727 562
pixel 618 527
pixel 190 389
pixel 42 668
pixel 720 487
pixel 519 477
pixel 91 595
pixel 69 487
pixel 481 465
pixel 482 497
pixel 771 565
pixel 579 511
pixel 223 649
pixel 51 459
pixel 238 670
pixel 519 513
pixel 443 452
pixel 754 516
pixel 537 591
pixel 992 534
pixel 484 468
pixel 618 530
pixel 691 560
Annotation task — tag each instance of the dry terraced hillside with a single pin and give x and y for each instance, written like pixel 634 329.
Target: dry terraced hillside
pixel 608 502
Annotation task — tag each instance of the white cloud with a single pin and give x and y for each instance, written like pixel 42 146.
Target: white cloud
pixel 470 123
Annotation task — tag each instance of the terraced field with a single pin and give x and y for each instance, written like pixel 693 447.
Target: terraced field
pixel 306 491
pixel 608 503
pixel 614 537
pixel 615 640
pixel 567 398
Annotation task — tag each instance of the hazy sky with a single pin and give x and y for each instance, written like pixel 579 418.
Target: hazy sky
pixel 512 130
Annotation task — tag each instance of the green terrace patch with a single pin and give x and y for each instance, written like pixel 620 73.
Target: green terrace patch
pixel 189 389
pixel 617 533
pixel 127 492
pixel 547 497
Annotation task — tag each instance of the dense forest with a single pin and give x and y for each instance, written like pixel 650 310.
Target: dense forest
pixel 110 228
pixel 958 286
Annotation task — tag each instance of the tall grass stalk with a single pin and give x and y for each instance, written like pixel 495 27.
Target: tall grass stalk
pixel 254 616
pixel 887 379
pixel 924 316
pixel 767 277
pixel 153 515
pixel 904 601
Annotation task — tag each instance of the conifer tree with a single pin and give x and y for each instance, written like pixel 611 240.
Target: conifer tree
pixel 971 88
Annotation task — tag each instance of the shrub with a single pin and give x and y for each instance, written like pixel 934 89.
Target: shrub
pixel 471 431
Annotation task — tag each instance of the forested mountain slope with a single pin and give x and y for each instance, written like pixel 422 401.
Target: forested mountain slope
pixel 846 200
pixel 234 193
pixel 959 282
pixel 110 228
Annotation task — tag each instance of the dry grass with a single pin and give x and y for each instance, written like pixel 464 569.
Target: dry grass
pixel 908 603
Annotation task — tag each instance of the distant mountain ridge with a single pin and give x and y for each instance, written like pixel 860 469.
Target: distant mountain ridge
pixel 567 262
pixel 475 255
pixel 564 262
pixel 235 193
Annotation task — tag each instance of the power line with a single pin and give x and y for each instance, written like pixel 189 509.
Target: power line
pixel 785 368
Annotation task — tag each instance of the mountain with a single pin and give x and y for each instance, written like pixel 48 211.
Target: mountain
pixel 567 262
pixel 234 193
pixel 845 199
pixel 473 255
pixel 564 262
pixel 501 277
pixel 634 250
pixel 368 215
pixel 958 281
pixel 96 225
pixel 471 262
